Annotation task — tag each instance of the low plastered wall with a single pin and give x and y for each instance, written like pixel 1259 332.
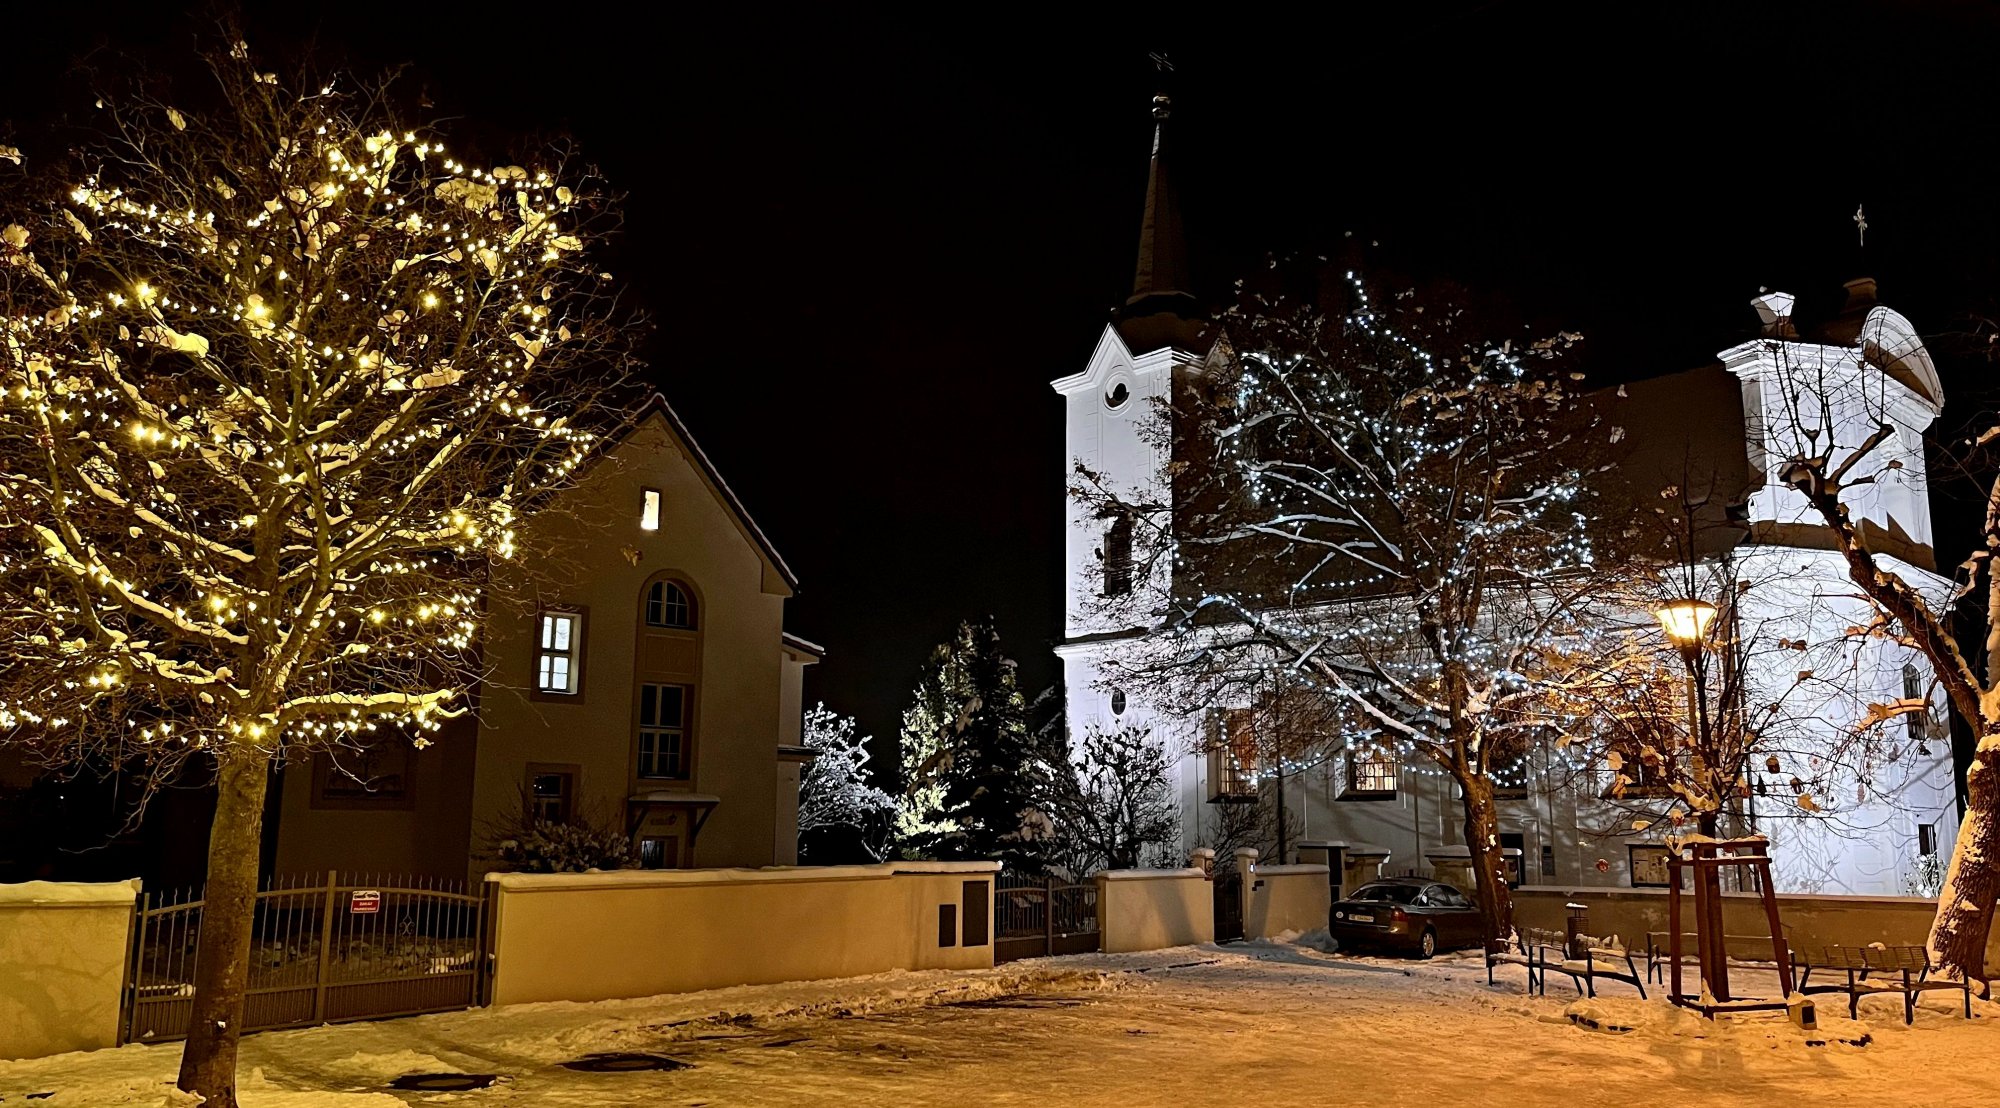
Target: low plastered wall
pixel 1812 920
pixel 1278 899
pixel 1150 909
pixel 62 965
pixel 644 932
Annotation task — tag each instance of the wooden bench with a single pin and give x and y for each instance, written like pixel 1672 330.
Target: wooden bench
pixel 1550 951
pixel 1741 949
pixel 1909 965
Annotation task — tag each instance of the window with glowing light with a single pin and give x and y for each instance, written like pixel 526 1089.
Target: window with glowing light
pixel 1371 775
pixel 664 711
pixel 649 510
pixel 1232 757
pixel 559 653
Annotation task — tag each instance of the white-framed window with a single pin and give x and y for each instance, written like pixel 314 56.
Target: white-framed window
pixel 649 510
pixel 1927 840
pixel 663 730
pixel 559 653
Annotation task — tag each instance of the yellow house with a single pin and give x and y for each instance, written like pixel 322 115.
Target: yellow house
pixel 639 675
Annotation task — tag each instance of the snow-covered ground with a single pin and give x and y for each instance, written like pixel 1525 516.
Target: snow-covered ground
pixel 1264 1024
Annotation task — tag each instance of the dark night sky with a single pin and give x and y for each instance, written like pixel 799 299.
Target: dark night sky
pixel 870 240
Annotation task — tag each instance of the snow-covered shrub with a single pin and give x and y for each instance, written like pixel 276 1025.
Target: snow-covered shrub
pixel 581 844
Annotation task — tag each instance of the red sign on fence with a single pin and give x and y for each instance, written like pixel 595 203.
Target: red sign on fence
pixel 364 901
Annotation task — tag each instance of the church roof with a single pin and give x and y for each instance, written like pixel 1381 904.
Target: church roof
pixel 1162 310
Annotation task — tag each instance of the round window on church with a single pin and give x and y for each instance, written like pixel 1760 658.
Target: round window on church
pixel 1116 398
pixel 1117 702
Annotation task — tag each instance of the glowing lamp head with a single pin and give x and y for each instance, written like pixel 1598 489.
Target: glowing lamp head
pixel 1686 622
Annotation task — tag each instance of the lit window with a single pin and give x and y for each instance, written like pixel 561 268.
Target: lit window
pixel 558 652
pixel 1372 774
pixel 649 511
pixel 668 605
pixel 1232 758
pixel 663 716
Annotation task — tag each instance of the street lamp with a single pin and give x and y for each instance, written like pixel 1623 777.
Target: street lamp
pixel 1686 623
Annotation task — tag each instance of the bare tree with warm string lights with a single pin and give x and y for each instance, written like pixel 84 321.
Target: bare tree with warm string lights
pixel 1374 501
pixel 282 377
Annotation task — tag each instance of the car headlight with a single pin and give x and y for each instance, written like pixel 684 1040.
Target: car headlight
pixel 1340 915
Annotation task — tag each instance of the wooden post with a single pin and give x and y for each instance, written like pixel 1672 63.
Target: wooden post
pixel 1718 943
pixel 1674 924
pixel 325 946
pixel 1048 915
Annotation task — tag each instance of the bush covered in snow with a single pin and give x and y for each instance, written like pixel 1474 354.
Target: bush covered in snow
pixel 528 844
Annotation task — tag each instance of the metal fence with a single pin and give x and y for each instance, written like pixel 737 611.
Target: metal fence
pixel 1037 916
pixel 322 950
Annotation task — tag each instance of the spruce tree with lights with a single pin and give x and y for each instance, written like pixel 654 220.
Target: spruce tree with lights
pixel 1376 504
pixel 282 378
pixel 970 768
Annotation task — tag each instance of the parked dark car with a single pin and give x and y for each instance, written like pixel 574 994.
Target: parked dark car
pixel 1410 914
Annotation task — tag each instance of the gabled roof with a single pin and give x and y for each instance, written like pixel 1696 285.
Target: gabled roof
pixel 657 405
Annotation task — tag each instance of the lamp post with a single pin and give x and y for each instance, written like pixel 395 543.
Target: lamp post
pixel 1686 623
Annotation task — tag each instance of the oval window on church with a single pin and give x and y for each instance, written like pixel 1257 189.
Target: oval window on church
pixel 1117 702
pixel 1117 397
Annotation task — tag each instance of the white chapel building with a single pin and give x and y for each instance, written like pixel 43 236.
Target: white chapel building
pixel 1882 835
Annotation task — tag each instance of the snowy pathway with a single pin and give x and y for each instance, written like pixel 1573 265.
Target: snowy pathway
pixel 1263 1024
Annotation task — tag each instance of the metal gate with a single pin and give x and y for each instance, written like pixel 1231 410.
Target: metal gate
pixel 1039 916
pixel 322 950
pixel 1228 893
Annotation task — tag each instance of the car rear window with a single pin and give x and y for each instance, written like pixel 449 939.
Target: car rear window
pixel 1388 894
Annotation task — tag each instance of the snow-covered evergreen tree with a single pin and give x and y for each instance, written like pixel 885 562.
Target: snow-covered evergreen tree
pixel 970 770
pixel 281 376
pixel 836 798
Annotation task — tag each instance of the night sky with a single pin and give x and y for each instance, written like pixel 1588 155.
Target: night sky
pixel 870 239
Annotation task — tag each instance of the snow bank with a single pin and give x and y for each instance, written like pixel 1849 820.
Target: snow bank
pixel 1263 870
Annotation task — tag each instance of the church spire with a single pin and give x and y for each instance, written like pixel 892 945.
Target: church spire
pixel 1162 307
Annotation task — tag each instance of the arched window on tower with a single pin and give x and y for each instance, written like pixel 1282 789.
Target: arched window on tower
pixel 668 605
pixel 1118 556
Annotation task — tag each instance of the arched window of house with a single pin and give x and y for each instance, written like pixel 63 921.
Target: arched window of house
pixel 668 605
pixel 667 673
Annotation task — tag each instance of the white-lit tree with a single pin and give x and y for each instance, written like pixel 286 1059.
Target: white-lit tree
pixel 281 377
pixel 835 793
pixel 1380 503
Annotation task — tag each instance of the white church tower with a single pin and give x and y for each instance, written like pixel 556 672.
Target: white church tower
pixel 1111 409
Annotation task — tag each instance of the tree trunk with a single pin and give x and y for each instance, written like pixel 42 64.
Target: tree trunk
pixel 1972 883
pixel 222 960
pixel 1489 865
